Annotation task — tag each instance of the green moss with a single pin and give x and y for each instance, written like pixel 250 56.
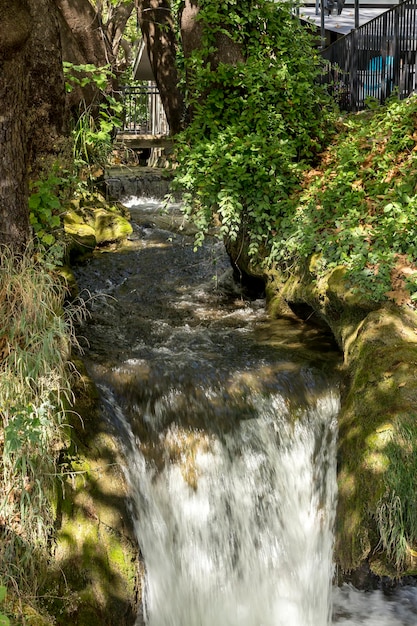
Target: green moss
pixel 94 573
pixel 377 456
pixel 110 226
pixel 377 408
pixel 90 221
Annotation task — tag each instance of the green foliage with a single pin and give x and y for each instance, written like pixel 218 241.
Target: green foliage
pixel 359 209
pixel 4 620
pixel 397 511
pixel 96 124
pixel 35 390
pixel 87 74
pixel 255 124
pixel 45 211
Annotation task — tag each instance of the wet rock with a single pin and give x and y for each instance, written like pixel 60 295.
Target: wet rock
pixel 91 221
pixel 124 182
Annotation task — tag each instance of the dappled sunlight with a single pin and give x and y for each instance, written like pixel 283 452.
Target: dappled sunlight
pixel 372 445
pixel 358 209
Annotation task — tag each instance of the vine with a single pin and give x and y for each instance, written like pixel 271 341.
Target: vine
pixel 255 124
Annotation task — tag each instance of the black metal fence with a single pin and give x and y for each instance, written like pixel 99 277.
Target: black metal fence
pixel 143 111
pixel 375 59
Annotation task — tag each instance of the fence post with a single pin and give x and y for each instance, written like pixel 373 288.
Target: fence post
pixel 396 51
pixel 353 71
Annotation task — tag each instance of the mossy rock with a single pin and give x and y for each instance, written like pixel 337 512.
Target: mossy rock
pixel 81 236
pixel 110 227
pixel 90 221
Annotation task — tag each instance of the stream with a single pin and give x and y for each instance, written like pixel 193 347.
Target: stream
pixel 228 423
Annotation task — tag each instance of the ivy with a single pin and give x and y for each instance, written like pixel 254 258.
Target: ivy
pixel 255 124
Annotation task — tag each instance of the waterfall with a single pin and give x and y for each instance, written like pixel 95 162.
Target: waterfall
pixel 237 528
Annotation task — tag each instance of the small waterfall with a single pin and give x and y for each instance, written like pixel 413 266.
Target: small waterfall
pixel 228 420
pixel 236 528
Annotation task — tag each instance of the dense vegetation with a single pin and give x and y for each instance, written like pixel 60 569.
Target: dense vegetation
pixel 35 392
pixel 258 157
pixel 358 208
pixel 255 124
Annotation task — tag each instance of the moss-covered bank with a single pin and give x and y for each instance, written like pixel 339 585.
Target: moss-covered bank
pixel 376 525
pixel 377 510
pixel 94 575
pixel 95 569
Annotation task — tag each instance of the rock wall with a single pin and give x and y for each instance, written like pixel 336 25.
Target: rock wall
pixel 120 183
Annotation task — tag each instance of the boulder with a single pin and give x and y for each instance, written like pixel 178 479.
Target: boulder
pixel 90 221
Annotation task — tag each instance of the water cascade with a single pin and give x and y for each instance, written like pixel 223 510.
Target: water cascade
pixel 228 424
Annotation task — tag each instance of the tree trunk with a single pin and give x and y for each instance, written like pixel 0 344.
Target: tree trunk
pixel 32 98
pixel 156 22
pixel 223 48
pixel 15 28
pixel 46 116
pixel 116 24
pixel 87 39
pixel 84 28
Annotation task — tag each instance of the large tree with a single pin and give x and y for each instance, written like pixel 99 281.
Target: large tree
pixel 35 37
pixel 93 33
pixel 171 35
pixel 15 30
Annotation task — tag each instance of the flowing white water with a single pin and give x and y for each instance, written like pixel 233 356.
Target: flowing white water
pixel 249 541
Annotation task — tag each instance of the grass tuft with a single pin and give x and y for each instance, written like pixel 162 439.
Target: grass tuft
pixel 35 390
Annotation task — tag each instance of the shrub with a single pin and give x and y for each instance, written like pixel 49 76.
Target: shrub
pixel 255 125
pixel 358 209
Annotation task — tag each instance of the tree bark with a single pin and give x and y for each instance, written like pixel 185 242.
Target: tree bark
pixel 157 26
pixel 84 33
pixel 32 98
pixel 46 116
pixel 15 28
pixel 87 39
pixel 225 49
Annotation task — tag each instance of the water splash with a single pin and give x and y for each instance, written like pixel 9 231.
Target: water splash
pixel 243 536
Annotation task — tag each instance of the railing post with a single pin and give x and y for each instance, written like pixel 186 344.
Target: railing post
pixel 396 50
pixel 353 71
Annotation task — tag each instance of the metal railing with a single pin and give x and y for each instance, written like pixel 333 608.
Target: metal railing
pixel 375 59
pixel 143 111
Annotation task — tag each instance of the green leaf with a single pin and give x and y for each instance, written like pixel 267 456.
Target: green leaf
pixel 34 201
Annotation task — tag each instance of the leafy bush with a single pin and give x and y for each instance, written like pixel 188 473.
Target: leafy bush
pixel 95 125
pixel 255 124
pixel 45 213
pixel 359 207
